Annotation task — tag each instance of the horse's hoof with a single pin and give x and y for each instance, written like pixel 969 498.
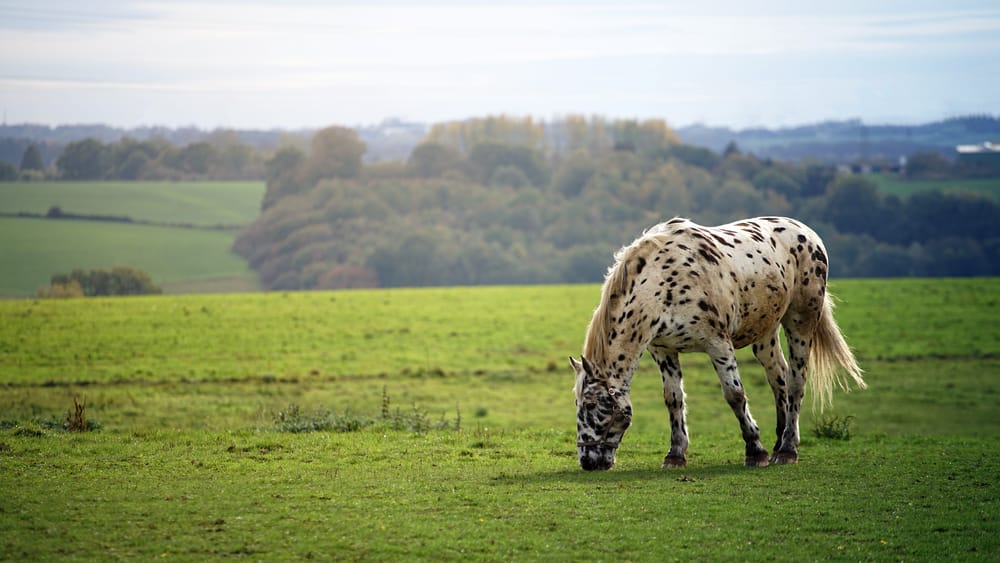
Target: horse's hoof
pixel 674 461
pixel 759 460
pixel 781 458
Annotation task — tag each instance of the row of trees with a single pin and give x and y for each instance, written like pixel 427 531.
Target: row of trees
pixel 490 201
pixel 221 157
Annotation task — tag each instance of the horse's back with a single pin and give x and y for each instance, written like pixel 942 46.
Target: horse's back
pixel 740 278
pixel 791 263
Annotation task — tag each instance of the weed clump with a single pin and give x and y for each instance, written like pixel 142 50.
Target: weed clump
pixel 294 419
pixel 76 418
pixel 834 427
pixel 75 421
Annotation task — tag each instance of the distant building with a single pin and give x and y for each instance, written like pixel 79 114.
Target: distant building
pixel 984 156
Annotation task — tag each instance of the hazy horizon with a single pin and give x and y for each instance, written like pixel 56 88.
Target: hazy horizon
pixel 305 64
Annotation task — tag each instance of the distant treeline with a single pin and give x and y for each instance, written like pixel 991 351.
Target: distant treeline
pixel 32 151
pixel 495 201
pixel 222 157
pixel 833 142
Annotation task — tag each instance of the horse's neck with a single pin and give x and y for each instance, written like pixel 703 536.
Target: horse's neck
pixel 620 363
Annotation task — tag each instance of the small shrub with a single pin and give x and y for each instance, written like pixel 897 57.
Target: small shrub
pixel 834 427
pixel 120 280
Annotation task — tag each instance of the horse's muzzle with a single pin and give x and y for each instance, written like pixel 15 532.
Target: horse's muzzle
pixel 594 458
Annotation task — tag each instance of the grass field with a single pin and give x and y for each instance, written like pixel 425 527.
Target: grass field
pixel 893 184
pixel 179 259
pixel 206 204
pixel 190 461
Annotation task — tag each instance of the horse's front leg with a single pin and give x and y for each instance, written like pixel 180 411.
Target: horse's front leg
pixel 673 398
pixel 724 359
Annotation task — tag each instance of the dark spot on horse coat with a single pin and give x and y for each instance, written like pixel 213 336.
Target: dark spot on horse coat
pixel 708 255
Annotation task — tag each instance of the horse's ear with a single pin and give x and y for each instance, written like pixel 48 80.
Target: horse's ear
pixel 577 366
pixel 587 366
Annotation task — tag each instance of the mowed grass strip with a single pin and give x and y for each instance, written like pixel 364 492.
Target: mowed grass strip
pixel 206 204
pixel 35 249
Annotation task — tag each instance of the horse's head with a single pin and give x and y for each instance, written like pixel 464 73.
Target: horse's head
pixel 603 414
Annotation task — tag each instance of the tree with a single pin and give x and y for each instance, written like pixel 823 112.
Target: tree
pixel 573 175
pixel 413 262
pixel 646 137
pixel 776 181
pixel 7 172
pixel 131 159
pixel 432 160
pixel 853 205
pixel 335 152
pixel 283 163
pixel 195 159
pixel 501 129
pixel 485 158
pixel 695 156
pixel 88 159
pixel 928 166
pixel 817 178
pixel 32 159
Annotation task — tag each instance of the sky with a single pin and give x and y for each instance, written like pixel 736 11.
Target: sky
pixel 305 63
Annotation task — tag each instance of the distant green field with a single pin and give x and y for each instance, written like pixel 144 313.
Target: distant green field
pixel 894 185
pixel 34 249
pixel 192 463
pixel 196 203
pixel 180 259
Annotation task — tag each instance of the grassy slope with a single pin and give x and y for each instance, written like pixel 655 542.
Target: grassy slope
pixel 187 465
pixel 197 203
pixel 182 260
pixel 892 184
pixel 34 249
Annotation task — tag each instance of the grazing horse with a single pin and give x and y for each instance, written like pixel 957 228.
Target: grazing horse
pixel 681 287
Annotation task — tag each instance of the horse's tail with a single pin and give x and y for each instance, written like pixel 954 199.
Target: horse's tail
pixel 831 359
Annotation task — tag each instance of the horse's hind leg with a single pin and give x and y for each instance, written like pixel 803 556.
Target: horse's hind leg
pixel 673 398
pixel 724 359
pixel 768 353
pixel 799 331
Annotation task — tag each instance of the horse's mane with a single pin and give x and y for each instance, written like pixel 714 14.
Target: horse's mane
pixel 595 345
pixel 616 285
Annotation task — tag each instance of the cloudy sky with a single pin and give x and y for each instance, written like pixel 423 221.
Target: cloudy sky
pixel 307 63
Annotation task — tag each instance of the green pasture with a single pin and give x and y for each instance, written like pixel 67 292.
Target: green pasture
pixel 207 204
pixel 180 258
pixel 177 259
pixel 902 188
pixel 189 460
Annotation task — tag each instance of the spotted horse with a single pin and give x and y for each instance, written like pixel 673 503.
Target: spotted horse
pixel 682 287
